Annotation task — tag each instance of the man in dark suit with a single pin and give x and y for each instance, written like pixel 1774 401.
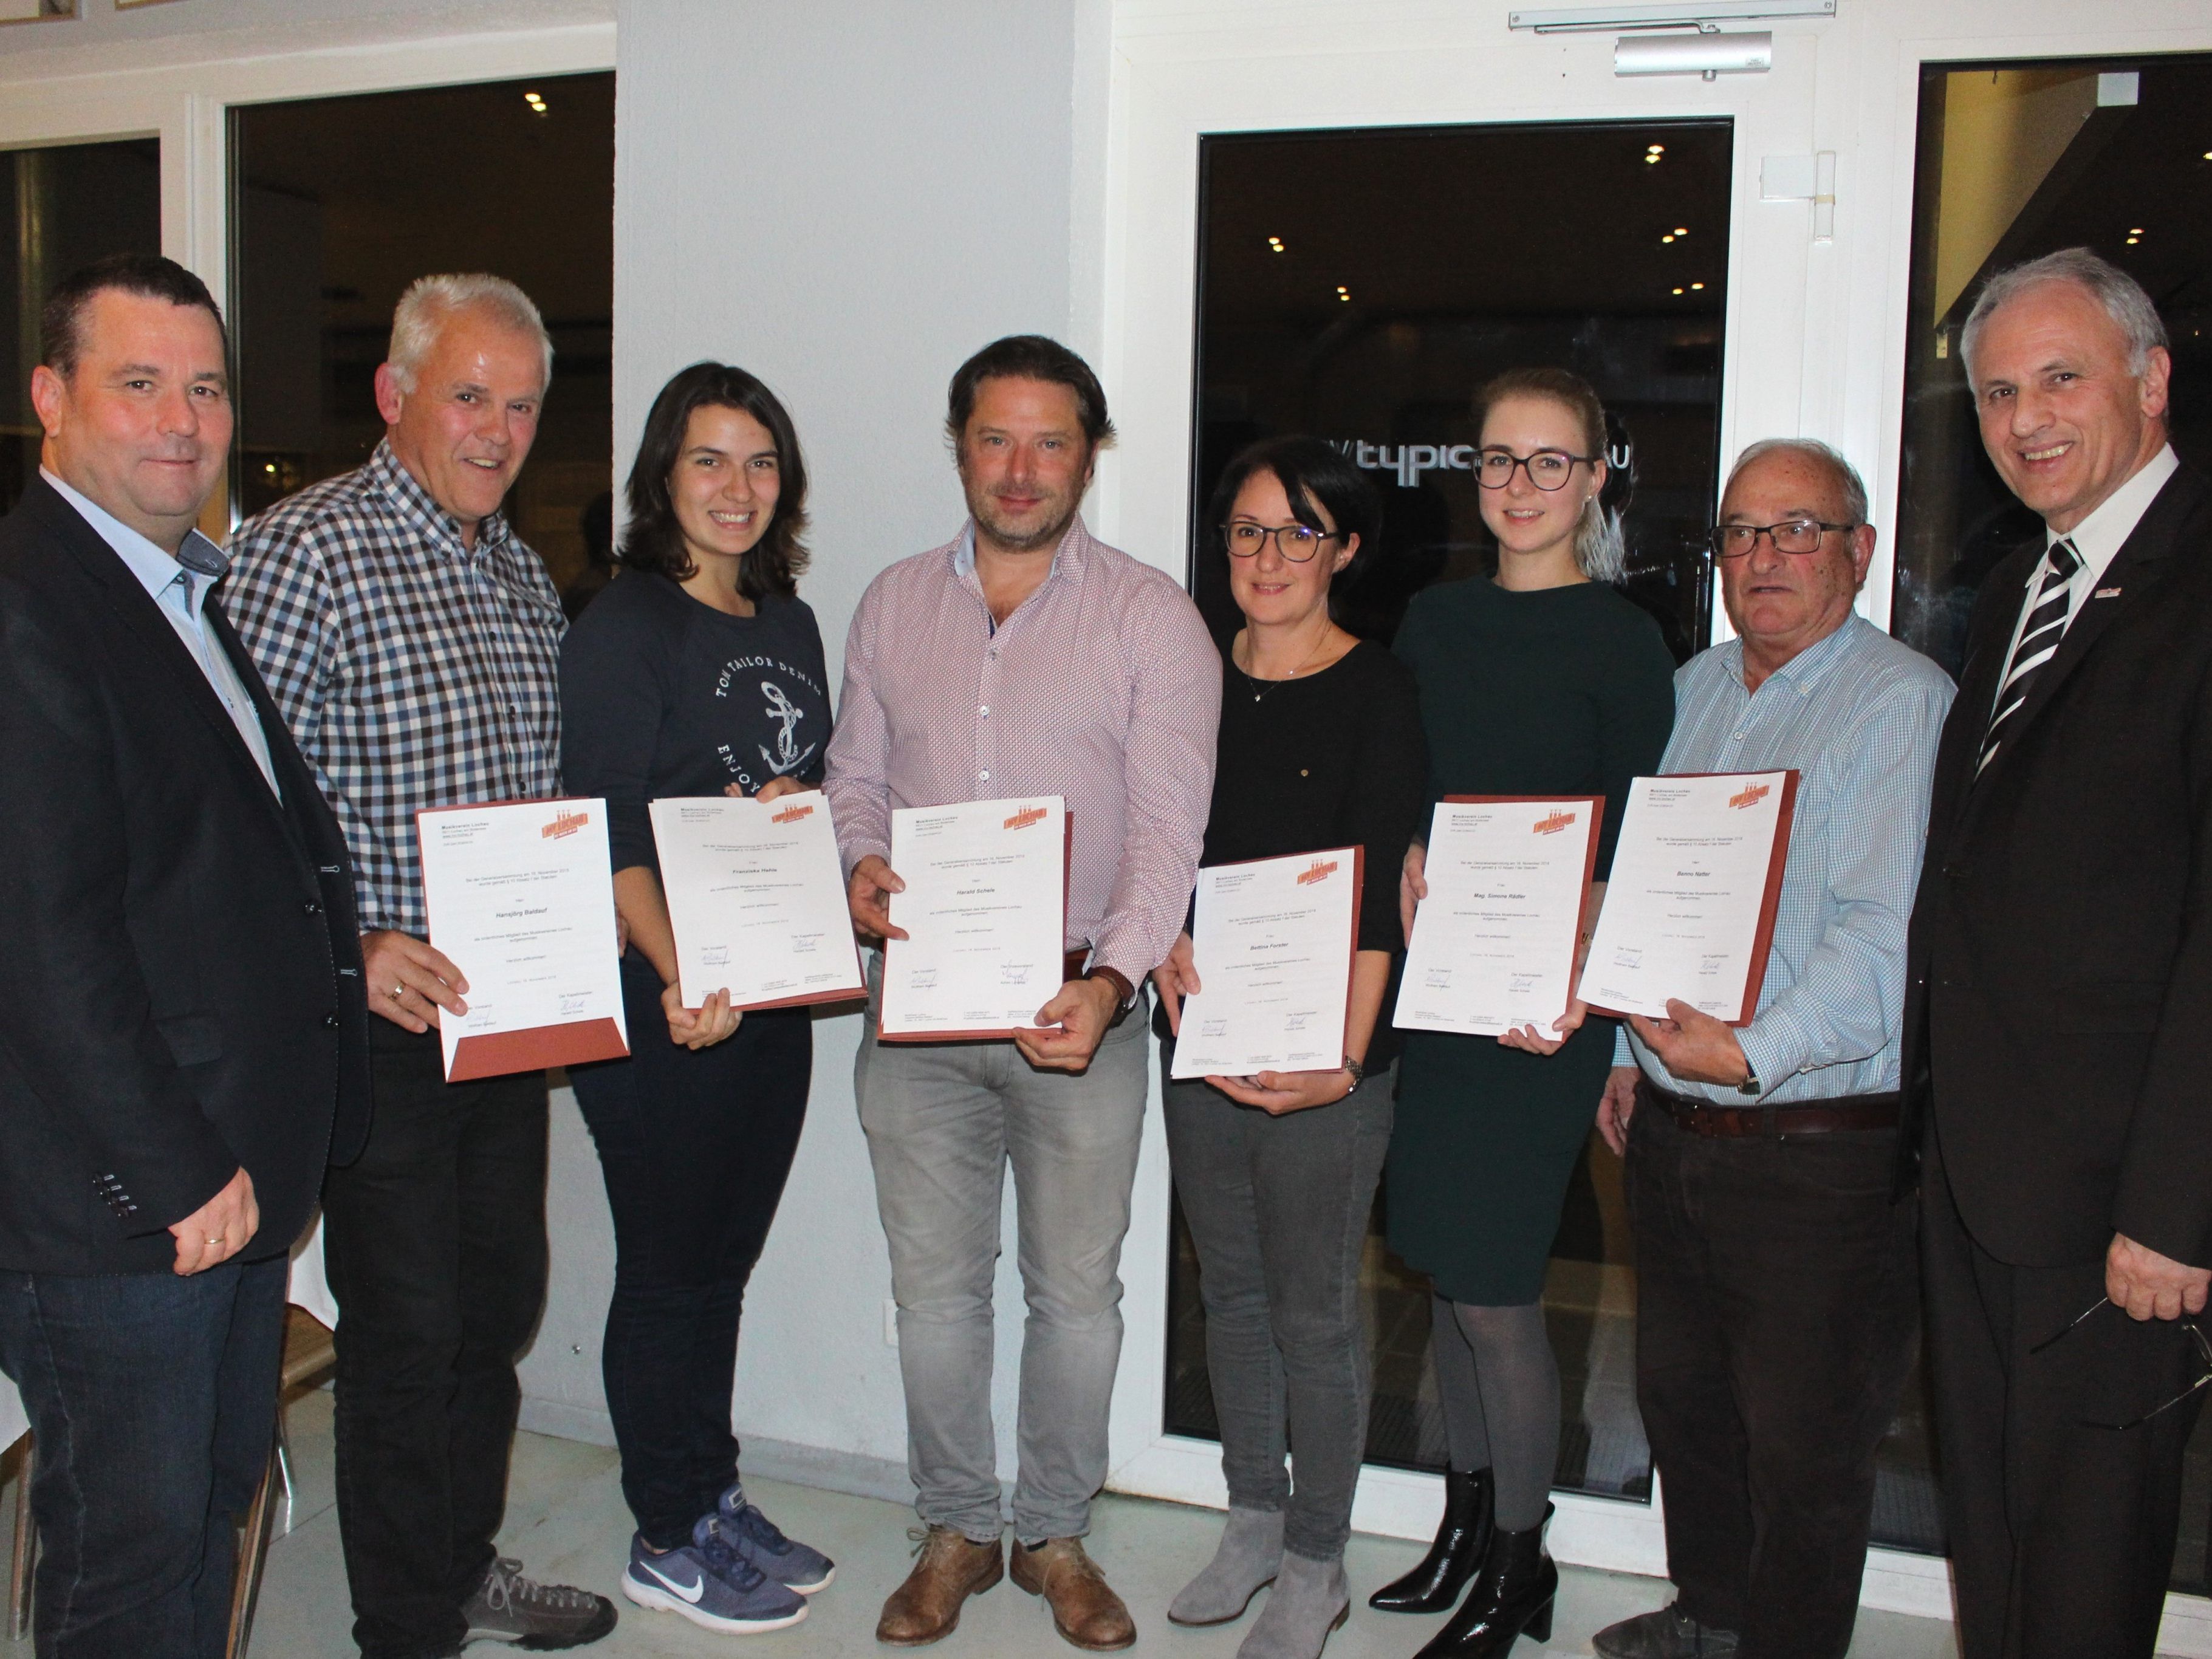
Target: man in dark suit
pixel 2058 1027
pixel 182 1040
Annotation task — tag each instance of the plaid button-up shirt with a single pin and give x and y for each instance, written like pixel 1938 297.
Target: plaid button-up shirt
pixel 414 671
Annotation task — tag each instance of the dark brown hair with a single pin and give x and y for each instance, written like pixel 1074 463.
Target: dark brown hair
pixel 653 540
pixel 1029 358
pixel 1313 473
pixel 61 324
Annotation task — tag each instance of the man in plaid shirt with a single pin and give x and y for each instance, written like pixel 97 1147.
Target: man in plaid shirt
pixel 411 641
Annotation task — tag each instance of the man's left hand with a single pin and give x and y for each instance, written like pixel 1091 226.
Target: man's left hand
pixel 1694 1046
pixel 2150 1285
pixel 1071 1026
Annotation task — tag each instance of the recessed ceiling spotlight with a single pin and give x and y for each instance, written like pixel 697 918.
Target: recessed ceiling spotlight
pixel 1342 292
pixel 1666 239
pixel 1696 287
pixel 536 103
pixel 2132 241
pixel 2135 230
pixel 1678 290
pixel 1276 243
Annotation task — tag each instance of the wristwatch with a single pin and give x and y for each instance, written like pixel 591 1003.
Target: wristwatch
pixel 1750 1084
pixel 1125 994
pixel 1358 1069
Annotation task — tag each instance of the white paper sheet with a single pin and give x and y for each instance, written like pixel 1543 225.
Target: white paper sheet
pixel 1272 941
pixel 757 900
pixel 1683 907
pixel 984 909
pixel 521 899
pixel 1493 944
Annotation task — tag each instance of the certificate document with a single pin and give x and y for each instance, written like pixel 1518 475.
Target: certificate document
pixel 1689 912
pixel 1493 944
pixel 521 898
pixel 1272 941
pixel 985 912
pixel 757 900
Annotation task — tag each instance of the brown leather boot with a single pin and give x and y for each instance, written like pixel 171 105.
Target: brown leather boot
pixel 952 1569
pixel 1085 1609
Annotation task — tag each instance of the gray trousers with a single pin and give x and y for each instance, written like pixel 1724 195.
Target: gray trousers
pixel 943 1122
pixel 1278 1207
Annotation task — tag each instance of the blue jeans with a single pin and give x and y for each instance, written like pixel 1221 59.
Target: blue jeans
pixel 152 1399
pixel 945 1120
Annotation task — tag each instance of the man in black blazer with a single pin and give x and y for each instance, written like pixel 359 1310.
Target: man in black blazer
pixel 182 1024
pixel 2059 1025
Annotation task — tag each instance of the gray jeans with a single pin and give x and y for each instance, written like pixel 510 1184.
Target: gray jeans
pixel 944 1120
pixel 1278 1207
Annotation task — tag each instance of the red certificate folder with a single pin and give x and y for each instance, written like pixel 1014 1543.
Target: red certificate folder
pixel 538 1047
pixel 1777 859
pixel 1003 1032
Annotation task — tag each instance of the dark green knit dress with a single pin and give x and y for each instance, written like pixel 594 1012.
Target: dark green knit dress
pixel 1566 690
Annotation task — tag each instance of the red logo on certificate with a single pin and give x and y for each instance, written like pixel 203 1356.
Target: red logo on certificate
pixel 1750 796
pixel 1026 816
pixel 793 813
pixel 565 823
pixel 1554 824
pixel 1320 869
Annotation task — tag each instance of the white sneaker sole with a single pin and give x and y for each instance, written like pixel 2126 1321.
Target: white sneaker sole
pixel 662 1601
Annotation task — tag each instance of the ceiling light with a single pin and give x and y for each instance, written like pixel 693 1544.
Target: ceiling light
pixel 2135 230
pixel 1678 290
pixel 536 103
pixel 1696 287
pixel 1276 243
pixel 1681 230
pixel 1342 292
pixel 1666 239
pixel 2132 241
pixel 1654 156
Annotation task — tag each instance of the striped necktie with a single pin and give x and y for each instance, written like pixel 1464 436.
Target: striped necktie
pixel 2039 643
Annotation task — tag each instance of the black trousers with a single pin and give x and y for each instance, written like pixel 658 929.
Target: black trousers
pixel 436 1241
pixel 2062 1527
pixel 695 1147
pixel 1776 1309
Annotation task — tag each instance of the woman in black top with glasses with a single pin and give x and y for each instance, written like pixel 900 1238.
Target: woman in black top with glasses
pixel 1320 747
pixel 1541 681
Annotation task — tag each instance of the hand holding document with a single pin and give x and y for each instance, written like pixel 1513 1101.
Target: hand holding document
pixel 521 897
pixel 1689 914
pixel 1493 944
pixel 984 909
pixel 756 900
pixel 1272 941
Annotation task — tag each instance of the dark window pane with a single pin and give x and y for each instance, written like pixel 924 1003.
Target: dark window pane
pixel 340 203
pixel 61 208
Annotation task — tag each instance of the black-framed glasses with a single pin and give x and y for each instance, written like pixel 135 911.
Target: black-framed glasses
pixel 1296 541
pixel 1548 469
pixel 1796 536
pixel 2196 1335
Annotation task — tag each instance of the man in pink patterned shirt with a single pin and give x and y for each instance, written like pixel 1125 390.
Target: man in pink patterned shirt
pixel 1022 658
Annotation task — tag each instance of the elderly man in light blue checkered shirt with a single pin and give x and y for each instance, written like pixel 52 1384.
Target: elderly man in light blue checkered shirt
pixel 1777 1296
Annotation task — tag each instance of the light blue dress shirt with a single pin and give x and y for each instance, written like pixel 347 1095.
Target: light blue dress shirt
pixel 1858 716
pixel 182 596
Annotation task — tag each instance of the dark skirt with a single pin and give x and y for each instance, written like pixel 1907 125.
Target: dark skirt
pixel 1486 1142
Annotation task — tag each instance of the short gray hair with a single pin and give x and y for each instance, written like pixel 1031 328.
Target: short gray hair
pixel 2121 296
pixel 1845 475
pixel 430 301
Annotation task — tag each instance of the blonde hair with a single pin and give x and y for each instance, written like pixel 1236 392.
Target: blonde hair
pixel 1600 554
pixel 430 301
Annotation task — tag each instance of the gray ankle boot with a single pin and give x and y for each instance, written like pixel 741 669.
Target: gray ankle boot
pixel 1310 1600
pixel 1250 1553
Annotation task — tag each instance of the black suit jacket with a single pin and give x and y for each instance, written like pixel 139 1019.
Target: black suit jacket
pixel 2058 1011
pixel 181 978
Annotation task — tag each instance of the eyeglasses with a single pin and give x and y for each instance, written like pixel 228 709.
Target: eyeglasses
pixel 1797 536
pixel 1548 469
pixel 2203 1352
pixel 1296 541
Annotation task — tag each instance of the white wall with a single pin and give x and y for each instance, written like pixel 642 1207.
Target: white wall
pixel 846 201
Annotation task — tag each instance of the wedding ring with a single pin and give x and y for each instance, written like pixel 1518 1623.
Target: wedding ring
pixel 397 992
pixel 214 1238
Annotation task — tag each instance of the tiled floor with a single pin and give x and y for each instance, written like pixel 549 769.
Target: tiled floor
pixel 567 1521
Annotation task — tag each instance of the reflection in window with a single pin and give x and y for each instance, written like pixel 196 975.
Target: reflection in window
pixel 342 202
pixel 2015 160
pixel 61 208
pixel 1359 286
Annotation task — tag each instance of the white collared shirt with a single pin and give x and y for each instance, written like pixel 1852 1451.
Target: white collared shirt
pixel 2097 540
pixel 182 596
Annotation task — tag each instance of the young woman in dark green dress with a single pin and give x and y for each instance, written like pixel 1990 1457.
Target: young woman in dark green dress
pixel 1543 680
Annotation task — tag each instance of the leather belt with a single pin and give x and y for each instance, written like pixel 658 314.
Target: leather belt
pixel 1842 1115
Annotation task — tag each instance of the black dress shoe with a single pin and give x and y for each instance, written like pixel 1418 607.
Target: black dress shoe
pixel 1669 1633
pixel 1462 1539
pixel 1512 1597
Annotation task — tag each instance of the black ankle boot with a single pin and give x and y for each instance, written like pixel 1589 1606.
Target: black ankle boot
pixel 1462 1539
pixel 1511 1598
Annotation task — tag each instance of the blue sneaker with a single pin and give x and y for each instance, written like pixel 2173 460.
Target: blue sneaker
pixel 711 1583
pixel 790 1563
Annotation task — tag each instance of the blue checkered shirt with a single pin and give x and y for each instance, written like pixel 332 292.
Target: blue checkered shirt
pixel 1858 716
pixel 413 671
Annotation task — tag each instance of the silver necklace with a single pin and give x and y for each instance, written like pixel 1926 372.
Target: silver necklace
pixel 1261 688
